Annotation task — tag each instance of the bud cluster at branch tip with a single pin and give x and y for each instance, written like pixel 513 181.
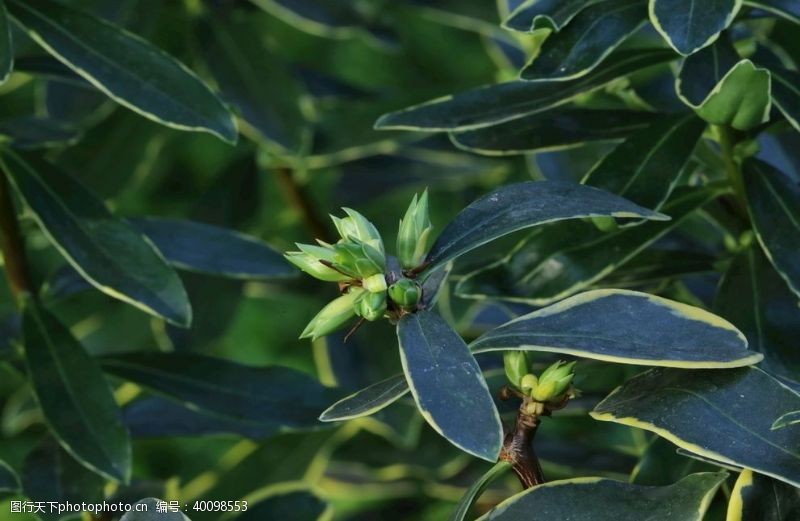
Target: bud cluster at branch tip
pixel 553 385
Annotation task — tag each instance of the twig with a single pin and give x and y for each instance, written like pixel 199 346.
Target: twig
pixel 299 198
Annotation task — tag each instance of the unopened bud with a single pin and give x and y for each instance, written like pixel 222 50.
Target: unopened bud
pixel 528 383
pixel 375 283
pixel 405 293
pixel 333 316
pixel 309 259
pixel 516 366
pixel 356 226
pixel 413 237
pixel 358 258
pixel 371 306
pixel 554 382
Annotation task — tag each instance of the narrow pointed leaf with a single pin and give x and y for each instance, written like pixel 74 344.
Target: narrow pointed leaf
pixel 74 396
pixel 117 259
pixel 583 44
pixel 788 9
pixel 9 481
pixel 319 17
pixel 790 418
pixel 647 165
pixel 523 205
pixel 253 394
pixel 496 104
pixel 448 386
pixel 711 413
pixel 477 488
pixel 533 15
pixel 560 259
pixel 130 70
pixel 723 89
pixel 786 94
pixel 760 497
pixel 689 26
pixel 6 45
pixel 368 400
pixel 29 132
pixel 598 499
pixel 552 131
pixel 606 325
pixel 212 250
pixel 774 204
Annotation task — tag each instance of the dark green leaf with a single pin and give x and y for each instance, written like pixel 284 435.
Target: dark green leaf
pixel 109 253
pixel 298 505
pixel 723 89
pixel 523 205
pixel 790 418
pixel 532 15
pixel 260 395
pixel 759 497
pixel 689 26
pixel 252 80
pixel 723 415
pixel 560 259
pixel 786 94
pixel 6 45
pixel 212 250
pixel 583 44
pixel 598 499
pixel 477 488
pixel 552 130
pixel 774 204
pixel 9 482
pixel 74 396
pixel 367 401
pixel 497 104
pixel 448 386
pixel 606 324
pixel 29 132
pixel 647 165
pixel 127 68
pixel 755 298
pixel 151 512
pixel 788 9
pixel 319 17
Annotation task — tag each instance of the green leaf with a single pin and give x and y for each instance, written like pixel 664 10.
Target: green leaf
pixel 497 104
pixel 725 416
pixel 773 201
pixel 786 94
pixel 151 512
pixel 448 386
pixel 598 499
pixel 74 396
pixel 127 68
pixel 30 132
pixel 552 130
pixel 295 505
pixel 790 418
pixel 522 205
pixel 368 400
pixel 253 394
pixel 477 488
pixel 212 250
pixel 788 9
pixel 533 15
pixel 758 497
pixel 755 298
pixel 321 18
pixel 723 89
pixel 252 79
pixel 689 26
pixel 605 324
pixel 646 167
pixel 6 45
pixel 582 45
pixel 9 481
pixel 560 259
pixel 109 253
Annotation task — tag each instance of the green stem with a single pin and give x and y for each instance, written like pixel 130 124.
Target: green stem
pixel 12 245
pixel 727 144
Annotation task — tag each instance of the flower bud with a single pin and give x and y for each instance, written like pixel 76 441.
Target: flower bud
pixel 375 283
pixel 356 226
pixel 554 382
pixel 415 233
pixel 516 366
pixel 308 259
pixel 358 258
pixel 528 383
pixel 405 293
pixel 371 306
pixel 333 316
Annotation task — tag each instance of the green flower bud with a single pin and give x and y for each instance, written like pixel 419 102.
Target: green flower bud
pixel 375 283
pixel 405 293
pixel 371 306
pixel 554 382
pixel 333 316
pixel 414 235
pixel 359 259
pixel 516 366
pixel 528 383
pixel 356 226
pixel 308 259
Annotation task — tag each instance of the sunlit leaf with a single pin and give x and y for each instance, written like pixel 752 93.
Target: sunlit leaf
pixel 533 15
pixel 368 400
pixel 689 26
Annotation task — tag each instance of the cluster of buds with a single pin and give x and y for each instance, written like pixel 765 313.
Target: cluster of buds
pixel 357 262
pixel 553 386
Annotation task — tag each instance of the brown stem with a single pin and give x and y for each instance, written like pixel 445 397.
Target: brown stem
pixel 13 247
pixel 518 448
pixel 299 198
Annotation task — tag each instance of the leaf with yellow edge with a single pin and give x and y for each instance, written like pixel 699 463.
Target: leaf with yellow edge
pixel 762 498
